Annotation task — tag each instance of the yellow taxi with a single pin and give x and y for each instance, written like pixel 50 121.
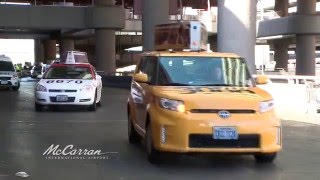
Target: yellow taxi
pixel 196 101
pixel 201 102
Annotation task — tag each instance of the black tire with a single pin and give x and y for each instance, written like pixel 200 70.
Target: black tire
pixel 154 156
pixel 38 107
pixel 133 135
pixel 265 157
pixel 16 88
pixel 99 103
pixel 93 106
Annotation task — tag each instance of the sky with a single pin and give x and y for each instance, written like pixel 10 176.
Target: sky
pixel 19 50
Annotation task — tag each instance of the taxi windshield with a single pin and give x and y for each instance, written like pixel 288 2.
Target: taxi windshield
pixel 203 71
pixel 68 72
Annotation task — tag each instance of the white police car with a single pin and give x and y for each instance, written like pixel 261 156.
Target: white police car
pixel 70 82
pixel 8 75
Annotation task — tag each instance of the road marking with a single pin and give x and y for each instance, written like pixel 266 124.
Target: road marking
pixel 27 92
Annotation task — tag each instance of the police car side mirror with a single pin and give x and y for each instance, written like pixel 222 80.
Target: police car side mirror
pixel 39 76
pixel 260 79
pixel 141 78
pixel 98 76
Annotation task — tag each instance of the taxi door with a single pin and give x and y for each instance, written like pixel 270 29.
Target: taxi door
pixel 141 91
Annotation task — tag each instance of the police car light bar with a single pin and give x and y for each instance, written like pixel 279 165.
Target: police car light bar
pixel 191 35
pixel 73 57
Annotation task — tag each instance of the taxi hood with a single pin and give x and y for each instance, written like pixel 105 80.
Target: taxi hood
pixel 227 98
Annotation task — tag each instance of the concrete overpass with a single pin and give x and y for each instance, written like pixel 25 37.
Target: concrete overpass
pixel 93 24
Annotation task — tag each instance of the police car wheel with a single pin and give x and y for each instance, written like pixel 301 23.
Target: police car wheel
pixel 99 103
pixel 93 106
pixel 265 157
pixel 38 107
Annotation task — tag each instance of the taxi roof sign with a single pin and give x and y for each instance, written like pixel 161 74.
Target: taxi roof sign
pixel 74 57
pixel 190 35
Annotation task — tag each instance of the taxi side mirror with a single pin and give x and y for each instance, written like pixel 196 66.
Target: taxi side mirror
pixel 262 79
pixel 141 78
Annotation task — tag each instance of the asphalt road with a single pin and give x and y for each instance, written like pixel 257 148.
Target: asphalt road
pixel 25 135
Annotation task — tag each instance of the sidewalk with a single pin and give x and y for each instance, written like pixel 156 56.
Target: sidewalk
pixel 292 102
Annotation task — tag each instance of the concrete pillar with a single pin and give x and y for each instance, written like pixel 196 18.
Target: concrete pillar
pixel 105 50
pixel 105 45
pixel 50 51
pixel 38 51
pixel 153 12
pixel 66 45
pixel 281 7
pixel 305 55
pixel 306 44
pixel 281 56
pixel 237 29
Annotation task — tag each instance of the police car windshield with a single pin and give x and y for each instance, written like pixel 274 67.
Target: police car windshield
pixel 68 72
pixel 6 66
pixel 204 71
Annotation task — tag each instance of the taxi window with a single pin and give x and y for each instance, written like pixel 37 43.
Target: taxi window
pixel 148 65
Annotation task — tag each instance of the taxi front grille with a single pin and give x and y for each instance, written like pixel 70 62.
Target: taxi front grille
pixel 70 99
pixel 62 90
pixel 232 111
pixel 207 141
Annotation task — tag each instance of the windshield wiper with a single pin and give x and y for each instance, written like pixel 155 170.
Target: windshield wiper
pixel 174 84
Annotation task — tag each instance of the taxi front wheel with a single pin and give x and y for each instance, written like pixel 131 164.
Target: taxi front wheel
pixel 154 156
pixel 265 157
pixel 133 135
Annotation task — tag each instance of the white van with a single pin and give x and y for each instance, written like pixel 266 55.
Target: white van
pixel 8 75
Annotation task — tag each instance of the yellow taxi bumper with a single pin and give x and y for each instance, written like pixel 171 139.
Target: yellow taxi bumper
pixel 193 132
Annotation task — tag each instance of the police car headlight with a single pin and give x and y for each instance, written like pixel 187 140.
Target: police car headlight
pixel 266 106
pixel 41 88
pixel 173 105
pixel 87 88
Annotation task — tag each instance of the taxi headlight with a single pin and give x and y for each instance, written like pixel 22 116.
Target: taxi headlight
pixel 266 106
pixel 173 105
pixel 87 88
pixel 41 88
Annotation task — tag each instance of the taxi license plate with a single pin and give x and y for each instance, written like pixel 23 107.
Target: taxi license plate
pixel 62 98
pixel 4 82
pixel 225 133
